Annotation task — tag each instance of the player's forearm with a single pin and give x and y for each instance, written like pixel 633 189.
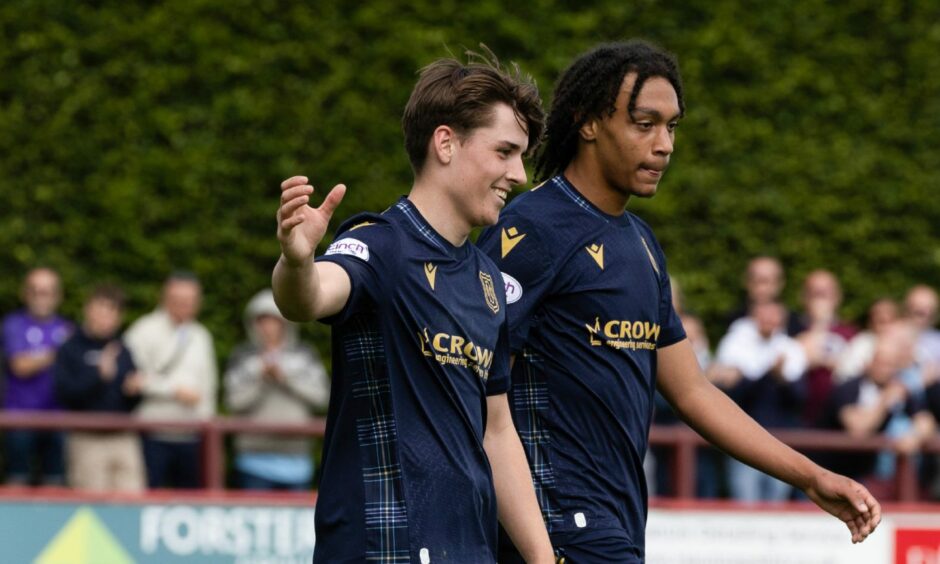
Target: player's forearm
pixel 724 424
pixel 519 511
pixel 296 289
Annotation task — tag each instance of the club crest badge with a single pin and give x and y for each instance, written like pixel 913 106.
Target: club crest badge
pixel 489 291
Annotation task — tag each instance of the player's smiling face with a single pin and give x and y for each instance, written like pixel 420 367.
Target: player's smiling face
pixel 487 165
pixel 633 150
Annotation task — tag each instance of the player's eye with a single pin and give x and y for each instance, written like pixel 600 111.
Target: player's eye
pixel 504 152
pixel 645 125
pixel 672 125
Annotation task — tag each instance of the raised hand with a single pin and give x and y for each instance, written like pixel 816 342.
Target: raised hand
pixel 300 228
pixel 849 501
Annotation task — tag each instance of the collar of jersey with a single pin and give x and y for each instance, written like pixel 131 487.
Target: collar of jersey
pixel 569 190
pixel 424 229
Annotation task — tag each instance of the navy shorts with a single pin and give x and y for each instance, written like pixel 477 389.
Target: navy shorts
pixel 605 550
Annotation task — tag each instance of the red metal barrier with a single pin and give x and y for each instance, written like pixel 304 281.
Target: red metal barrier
pixel 681 438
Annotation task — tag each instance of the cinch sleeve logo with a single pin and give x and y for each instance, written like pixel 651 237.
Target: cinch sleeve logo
pixel 513 289
pixel 351 247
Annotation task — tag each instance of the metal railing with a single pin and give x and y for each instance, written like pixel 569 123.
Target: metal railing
pixel 683 440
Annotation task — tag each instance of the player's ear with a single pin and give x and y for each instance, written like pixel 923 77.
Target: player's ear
pixel 443 143
pixel 588 131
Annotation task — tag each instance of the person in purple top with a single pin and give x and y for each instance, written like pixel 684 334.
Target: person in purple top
pixel 31 337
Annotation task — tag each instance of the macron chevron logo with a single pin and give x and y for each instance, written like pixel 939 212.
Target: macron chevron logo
pixel 597 253
pixel 510 238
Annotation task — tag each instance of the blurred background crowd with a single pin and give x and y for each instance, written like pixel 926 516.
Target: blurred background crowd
pixel 138 137
pixel 800 368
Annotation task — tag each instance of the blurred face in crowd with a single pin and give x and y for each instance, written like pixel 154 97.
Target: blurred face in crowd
pixel 42 293
pixel 821 295
pixel 181 300
pixel 894 351
pixel 768 317
pixel 102 318
pixel 270 330
pixel 882 314
pixel 764 280
pixel 921 306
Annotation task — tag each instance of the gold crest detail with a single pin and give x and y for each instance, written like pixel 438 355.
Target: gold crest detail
pixel 489 291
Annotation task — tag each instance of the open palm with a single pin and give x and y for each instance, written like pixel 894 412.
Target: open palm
pixel 301 227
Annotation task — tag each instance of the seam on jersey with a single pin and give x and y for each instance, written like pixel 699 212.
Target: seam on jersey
pixel 423 229
pixel 578 199
pixel 530 402
pixel 386 516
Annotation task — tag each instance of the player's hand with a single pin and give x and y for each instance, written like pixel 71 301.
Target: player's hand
pixel 848 500
pixel 300 228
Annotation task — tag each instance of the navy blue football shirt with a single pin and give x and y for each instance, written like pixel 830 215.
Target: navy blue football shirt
pixel 589 306
pixel 420 343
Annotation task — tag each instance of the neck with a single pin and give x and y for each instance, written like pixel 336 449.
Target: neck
pixel 593 186
pixel 440 212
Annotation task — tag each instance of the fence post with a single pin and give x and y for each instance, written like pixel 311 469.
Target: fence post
pixel 685 465
pixel 906 478
pixel 213 473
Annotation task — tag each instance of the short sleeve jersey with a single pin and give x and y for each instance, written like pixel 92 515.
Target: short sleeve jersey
pixel 420 344
pixel 589 306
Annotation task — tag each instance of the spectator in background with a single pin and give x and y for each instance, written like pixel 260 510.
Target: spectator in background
pixel 176 358
pixel 856 357
pixel 274 378
pixel 920 309
pixel 763 283
pixel 31 337
pixel 823 340
pixel 763 373
pixel 880 402
pixel 94 372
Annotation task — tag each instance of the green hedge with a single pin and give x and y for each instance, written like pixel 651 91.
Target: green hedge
pixel 135 139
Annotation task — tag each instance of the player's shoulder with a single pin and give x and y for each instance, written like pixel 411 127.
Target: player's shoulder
pixel 364 234
pixel 367 223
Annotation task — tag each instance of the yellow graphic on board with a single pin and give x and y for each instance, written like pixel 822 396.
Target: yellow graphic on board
pixel 84 540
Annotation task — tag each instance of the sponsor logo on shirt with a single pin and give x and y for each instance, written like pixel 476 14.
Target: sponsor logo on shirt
pixel 623 334
pixel 509 239
pixel 489 291
pixel 457 351
pixel 597 253
pixel 349 246
pixel 430 271
pixel 513 288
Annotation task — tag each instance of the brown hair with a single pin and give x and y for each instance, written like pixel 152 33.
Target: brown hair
pixel 108 293
pixel 462 96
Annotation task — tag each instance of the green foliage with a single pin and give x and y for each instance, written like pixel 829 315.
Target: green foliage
pixel 136 137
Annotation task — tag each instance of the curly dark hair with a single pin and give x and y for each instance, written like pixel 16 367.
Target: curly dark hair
pixel 462 96
pixel 588 89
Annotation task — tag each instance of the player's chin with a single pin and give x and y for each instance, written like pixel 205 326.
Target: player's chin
pixel 644 190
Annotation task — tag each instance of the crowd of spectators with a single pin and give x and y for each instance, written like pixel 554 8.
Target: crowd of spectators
pixel 810 369
pixel 788 369
pixel 162 368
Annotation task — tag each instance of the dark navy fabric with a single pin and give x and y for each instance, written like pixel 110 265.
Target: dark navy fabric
pixel 590 304
pixel 420 344
pixel 78 381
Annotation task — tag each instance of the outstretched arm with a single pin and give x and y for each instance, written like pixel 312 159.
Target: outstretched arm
pixel 518 509
pixel 710 412
pixel 305 290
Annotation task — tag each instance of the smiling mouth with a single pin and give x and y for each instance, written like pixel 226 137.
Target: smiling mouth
pixel 502 193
